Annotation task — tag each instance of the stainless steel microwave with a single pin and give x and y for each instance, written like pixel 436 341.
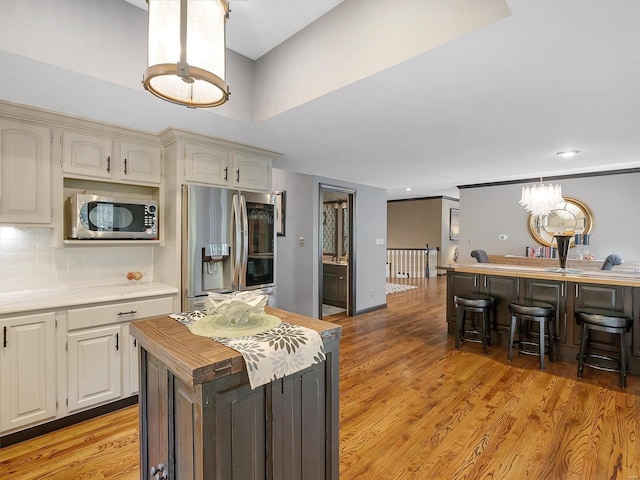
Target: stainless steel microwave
pixel 108 218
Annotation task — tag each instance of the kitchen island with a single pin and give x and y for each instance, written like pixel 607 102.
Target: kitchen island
pixel 200 419
pixel 567 291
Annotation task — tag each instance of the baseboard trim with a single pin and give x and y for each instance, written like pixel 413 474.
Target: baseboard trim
pixel 371 309
pixel 59 423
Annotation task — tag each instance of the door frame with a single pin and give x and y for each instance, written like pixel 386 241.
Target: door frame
pixel 351 264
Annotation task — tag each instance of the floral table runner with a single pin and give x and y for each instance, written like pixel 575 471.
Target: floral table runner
pixel 274 354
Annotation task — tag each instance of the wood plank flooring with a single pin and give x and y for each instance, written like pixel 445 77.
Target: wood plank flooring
pixel 412 407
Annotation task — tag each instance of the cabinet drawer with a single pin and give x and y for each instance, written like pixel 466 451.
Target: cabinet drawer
pixel 118 312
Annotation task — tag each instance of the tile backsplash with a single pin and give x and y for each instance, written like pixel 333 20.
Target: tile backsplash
pixel 28 261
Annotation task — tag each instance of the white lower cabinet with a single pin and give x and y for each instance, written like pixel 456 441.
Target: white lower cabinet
pixel 82 357
pixel 102 359
pixel 27 371
pixel 94 364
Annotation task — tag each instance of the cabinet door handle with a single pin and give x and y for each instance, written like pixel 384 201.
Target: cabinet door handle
pixel 125 166
pixel 238 175
pixel 117 342
pixel 475 281
pixel 4 337
pixel 109 164
pixel 226 173
pixel 130 312
pixel 135 342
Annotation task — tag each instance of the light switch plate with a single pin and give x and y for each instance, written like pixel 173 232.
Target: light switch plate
pixel 379 241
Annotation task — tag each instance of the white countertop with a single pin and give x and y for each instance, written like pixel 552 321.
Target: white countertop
pixel 20 302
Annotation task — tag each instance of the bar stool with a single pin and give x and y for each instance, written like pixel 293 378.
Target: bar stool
pixel 539 312
pixel 473 303
pixel 604 321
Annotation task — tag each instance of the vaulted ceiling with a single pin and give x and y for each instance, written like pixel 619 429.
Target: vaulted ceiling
pixel 494 103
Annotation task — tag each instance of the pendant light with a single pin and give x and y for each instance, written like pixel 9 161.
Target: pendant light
pixel 187 52
pixel 540 199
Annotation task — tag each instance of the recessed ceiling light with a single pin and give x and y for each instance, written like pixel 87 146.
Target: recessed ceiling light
pixel 568 153
pixel 408 189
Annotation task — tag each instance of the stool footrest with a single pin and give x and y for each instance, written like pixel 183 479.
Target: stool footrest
pixel 589 357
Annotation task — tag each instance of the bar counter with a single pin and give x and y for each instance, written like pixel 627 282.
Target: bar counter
pixel 568 291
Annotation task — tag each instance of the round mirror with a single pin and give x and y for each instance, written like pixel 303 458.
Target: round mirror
pixel 569 218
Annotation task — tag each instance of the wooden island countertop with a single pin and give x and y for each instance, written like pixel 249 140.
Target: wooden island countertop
pixel 195 359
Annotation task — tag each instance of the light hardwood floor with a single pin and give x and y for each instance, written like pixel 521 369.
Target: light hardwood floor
pixel 412 407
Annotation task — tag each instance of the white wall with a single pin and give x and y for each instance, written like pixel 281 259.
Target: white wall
pixel 486 212
pixel 295 263
pixel 297 268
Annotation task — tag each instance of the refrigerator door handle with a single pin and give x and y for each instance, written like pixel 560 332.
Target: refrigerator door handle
pixel 235 282
pixel 245 243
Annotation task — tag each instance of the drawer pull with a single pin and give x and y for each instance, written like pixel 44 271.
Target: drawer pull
pixel 130 312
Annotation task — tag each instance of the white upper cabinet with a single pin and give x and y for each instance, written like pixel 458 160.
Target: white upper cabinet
pixel 140 162
pixel 25 164
pixel 251 172
pixel 206 164
pixel 87 154
pixel 95 156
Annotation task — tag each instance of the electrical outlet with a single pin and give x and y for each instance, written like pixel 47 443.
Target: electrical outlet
pixel 373 292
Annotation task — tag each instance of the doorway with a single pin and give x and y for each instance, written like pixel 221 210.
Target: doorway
pixel 337 251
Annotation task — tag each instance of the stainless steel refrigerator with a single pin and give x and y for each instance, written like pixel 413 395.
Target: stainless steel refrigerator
pixel 228 243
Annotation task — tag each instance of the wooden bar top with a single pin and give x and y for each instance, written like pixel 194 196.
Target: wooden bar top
pixel 195 359
pixel 602 277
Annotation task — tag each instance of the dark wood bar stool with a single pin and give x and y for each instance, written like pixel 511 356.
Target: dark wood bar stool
pixel 539 312
pixel 610 322
pixel 473 303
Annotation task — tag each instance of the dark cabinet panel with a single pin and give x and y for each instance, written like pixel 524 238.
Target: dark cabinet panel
pixel 459 283
pixel 554 293
pixel 503 290
pixel 334 285
pixel 240 429
pixel 300 415
pixel 607 297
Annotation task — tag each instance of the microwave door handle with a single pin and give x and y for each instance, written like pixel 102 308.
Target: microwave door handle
pixel 245 243
pixel 235 282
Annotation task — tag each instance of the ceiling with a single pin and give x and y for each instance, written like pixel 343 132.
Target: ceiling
pixel 260 25
pixel 496 104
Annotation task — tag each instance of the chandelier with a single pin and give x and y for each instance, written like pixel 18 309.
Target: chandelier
pixel 186 52
pixel 540 199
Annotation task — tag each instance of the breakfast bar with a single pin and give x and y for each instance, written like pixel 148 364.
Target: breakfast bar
pixel 567 291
